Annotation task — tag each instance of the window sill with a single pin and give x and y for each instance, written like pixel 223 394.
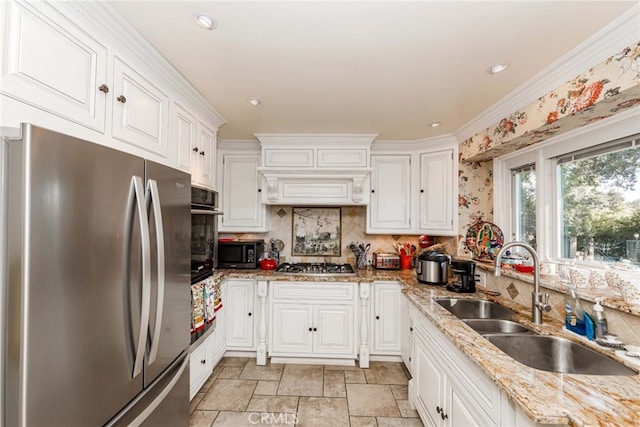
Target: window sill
pixel 609 297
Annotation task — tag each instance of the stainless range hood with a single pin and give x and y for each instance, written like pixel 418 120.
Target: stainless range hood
pixel 316 169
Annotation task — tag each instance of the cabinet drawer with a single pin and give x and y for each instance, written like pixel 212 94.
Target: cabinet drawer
pixel 313 291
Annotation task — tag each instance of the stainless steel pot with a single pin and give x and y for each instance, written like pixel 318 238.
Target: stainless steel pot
pixel 433 268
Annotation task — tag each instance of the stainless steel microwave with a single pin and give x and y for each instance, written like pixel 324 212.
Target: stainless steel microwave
pixel 240 253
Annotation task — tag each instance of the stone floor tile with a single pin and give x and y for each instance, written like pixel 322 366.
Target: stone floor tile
pixel 230 373
pixel 202 418
pixel 273 404
pixel 234 361
pixel 195 401
pixel 355 377
pixel 373 400
pixel 399 422
pixel 385 373
pixel 253 419
pixel 405 409
pixel 334 384
pixel 271 372
pixel 400 392
pixel 342 367
pixel 228 395
pixel 363 422
pixel 214 375
pixel 301 380
pixel 322 411
pixel 267 388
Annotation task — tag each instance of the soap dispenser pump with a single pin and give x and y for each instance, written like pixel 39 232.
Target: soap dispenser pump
pixel 599 320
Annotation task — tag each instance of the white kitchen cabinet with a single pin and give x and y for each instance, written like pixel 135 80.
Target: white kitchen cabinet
pixel 183 137
pixel 200 367
pixel 218 342
pixel 408 318
pixel 386 318
pixel 140 110
pixel 312 320
pixel 51 64
pixel 204 155
pixel 437 195
pixel 241 314
pixel 447 389
pixel 389 210
pixel 240 196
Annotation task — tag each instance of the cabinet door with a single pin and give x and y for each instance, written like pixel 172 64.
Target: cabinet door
pixel 406 336
pixel 183 138
pixel 429 382
pixel 291 328
pixel 240 194
pixel 204 157
pixel 437 194
pixel 386 318
pixel 50 64
pixel 240 314
pixel 333 329
pixel 199 369
pixel 389 210
pixel 140 111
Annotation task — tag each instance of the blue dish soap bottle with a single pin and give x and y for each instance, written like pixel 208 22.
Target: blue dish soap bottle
pixel 574 316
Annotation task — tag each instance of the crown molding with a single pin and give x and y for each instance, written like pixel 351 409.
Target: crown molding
pixel 620 33
pixel 102 18
pixel 239 145
pixel 440 141
pixel 316 139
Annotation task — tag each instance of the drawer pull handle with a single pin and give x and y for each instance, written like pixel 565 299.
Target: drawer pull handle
pixel 104 88
pixel 122 99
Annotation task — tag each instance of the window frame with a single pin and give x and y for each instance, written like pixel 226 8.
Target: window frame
pixel 548 217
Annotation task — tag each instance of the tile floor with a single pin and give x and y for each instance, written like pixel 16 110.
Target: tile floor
pixel 239 393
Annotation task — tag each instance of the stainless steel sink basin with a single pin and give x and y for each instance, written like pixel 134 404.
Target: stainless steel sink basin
pixel 555 354
pixel 497 326
pixel 475 309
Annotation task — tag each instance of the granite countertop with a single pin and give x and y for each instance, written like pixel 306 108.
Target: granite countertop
pixel 546 397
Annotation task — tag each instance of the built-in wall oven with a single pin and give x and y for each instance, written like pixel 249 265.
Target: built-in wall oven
pixel 204 259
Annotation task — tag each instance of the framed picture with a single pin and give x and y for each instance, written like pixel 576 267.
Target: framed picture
pixel 316 232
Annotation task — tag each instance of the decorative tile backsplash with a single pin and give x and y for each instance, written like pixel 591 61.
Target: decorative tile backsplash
pixel 353 230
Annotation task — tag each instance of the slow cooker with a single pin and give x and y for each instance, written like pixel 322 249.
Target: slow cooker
pixel 432 268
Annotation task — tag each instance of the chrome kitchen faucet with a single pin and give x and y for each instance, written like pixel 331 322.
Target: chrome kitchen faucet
pixel 537 305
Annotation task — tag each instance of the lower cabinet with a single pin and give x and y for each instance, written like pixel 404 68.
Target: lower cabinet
pixel 408 311
pixel 448 389
pixel 386 318
pixel 312 319
pixel 241 314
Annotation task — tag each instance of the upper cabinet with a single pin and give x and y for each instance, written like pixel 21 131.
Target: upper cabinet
pixel 51 64
pixel 414 190
pixel 240 192
pixel 140 110
pixel 79 69
pixel 438 193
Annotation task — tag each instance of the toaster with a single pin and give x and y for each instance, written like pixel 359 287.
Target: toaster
pixel 386 261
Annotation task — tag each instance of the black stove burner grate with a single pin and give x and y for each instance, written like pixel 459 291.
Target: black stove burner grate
pixel 315 268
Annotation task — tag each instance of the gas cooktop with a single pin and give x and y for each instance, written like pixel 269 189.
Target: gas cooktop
pixel 316 269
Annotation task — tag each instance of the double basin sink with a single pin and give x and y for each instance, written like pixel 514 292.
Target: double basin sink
pixel 548 353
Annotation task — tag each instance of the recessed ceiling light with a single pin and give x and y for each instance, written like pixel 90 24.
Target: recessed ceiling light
pixel 254 101
pixel 498 68
pixel 205 21
pixel 435 124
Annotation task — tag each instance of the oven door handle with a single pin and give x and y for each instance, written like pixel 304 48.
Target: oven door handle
pixel 205 212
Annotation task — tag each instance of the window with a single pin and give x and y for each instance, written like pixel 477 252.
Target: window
pixel 523 186
pixel 599 202
pixel 576 195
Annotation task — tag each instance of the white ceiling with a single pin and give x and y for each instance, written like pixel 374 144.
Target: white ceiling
pixel 385 67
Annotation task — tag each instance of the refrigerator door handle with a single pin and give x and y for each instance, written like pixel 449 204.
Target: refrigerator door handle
pixel 145 244
pixel 154 196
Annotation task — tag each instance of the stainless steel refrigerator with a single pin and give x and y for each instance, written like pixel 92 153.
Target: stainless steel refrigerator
pixel 96 288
